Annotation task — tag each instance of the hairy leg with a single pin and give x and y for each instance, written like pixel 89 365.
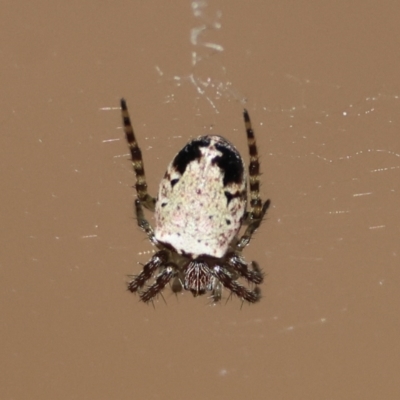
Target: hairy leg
pixel 159 259
pixel 252 296
pixel 137 160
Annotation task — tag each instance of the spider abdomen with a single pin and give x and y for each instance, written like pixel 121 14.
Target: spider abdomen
pixel 202 198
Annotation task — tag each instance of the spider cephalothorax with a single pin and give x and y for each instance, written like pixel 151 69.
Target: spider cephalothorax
pixel 200 207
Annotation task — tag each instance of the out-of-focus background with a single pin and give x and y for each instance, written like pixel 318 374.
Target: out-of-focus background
pixel 321 82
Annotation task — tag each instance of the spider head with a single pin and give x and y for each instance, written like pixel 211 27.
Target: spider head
pixel 198 277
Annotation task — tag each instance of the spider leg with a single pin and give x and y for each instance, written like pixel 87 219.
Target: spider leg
pixel 216 293
pixel 251 228
pixel 257 211
pixel 252 296
pixel 137 160
pixel 254 170
pixel 177 284
pixel 162 280
pixel 239 266
pixel 144 224
pixel 156 261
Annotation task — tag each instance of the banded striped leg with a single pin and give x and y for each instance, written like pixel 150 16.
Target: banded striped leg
pixel 137 160
pixel 144 224
pixel 252 296
pixel 254 217
pixel 240 267
pixel 161 281
pixel 157 261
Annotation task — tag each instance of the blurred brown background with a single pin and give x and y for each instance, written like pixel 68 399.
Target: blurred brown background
pixel 321 82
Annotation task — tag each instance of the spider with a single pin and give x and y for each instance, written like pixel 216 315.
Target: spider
pixel 199 210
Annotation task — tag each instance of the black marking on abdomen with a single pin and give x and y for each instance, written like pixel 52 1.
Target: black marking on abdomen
pixel 230 163
pixel 229 196
pixel 174 182
pixel 189 153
